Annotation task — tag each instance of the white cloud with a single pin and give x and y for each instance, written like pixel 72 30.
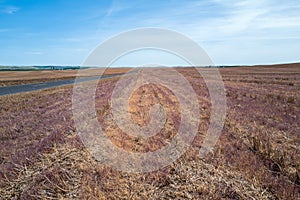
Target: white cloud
pixel 261 14
pixel 117 6
pixel 9 9
pixel 34 53
pixel 242 16
pixel 230 30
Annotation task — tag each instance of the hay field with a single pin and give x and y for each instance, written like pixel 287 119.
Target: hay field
pixel 256 157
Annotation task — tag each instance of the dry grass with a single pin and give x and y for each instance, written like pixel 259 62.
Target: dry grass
pixel 256 157
pixel 26 77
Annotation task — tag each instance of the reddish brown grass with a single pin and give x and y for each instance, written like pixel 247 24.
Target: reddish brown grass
pixel 26 77
pixel 256 157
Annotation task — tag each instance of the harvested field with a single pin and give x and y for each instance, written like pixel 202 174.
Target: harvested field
pixel 26 77
pixel 256 157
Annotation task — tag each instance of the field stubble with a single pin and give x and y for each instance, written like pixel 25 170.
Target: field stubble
pixel 256 157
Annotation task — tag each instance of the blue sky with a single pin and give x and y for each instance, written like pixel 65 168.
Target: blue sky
pixel 232 32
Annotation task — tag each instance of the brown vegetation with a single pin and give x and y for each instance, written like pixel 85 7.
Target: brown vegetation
pixel 256 157
pixel 26 77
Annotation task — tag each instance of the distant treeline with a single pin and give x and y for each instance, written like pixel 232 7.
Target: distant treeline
pixel 37 68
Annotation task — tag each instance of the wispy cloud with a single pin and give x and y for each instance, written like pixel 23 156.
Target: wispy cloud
pixel 9 9
pixel 231 31
pixel 33 53
pixel 226 27
pixel 242 15
pixel 117 6
pixel 230 19
pixel 4 30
